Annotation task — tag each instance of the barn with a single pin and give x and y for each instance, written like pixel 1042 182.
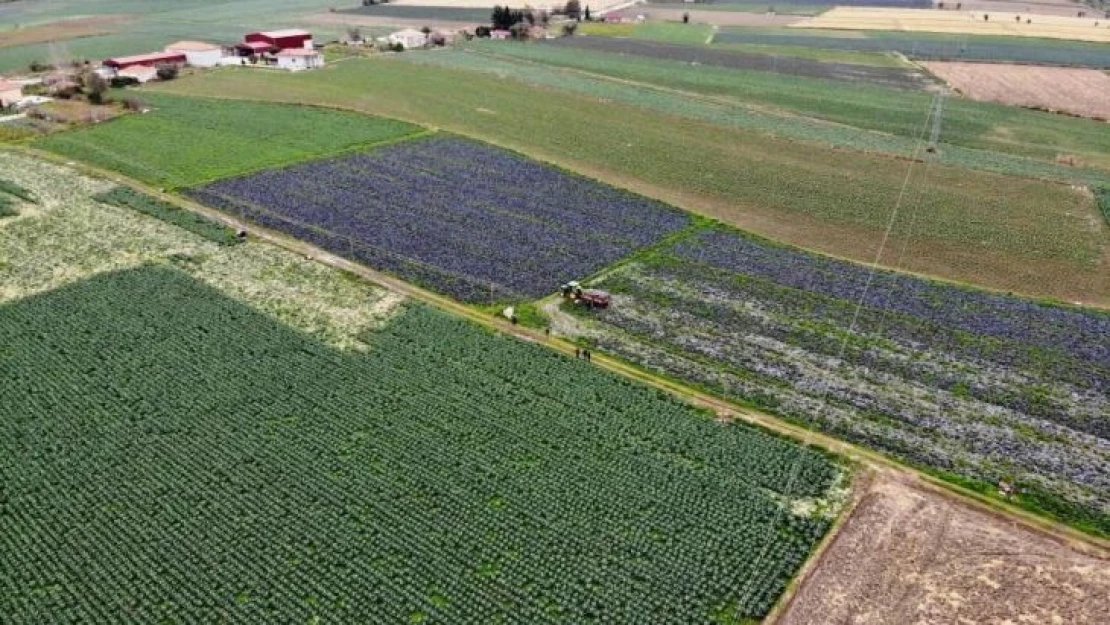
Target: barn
pixel 198 53
pixel 299 59
pixel 147 60
pixel 282 39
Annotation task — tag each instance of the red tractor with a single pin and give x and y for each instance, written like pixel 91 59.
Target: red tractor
pixel 591 298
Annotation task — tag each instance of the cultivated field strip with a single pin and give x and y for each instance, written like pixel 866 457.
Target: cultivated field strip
pixel 448 475
pixel 985 387
pixel 937 47
pixel 463 218
pixel 793 66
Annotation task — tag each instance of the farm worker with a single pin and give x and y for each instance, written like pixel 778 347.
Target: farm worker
pixel 577 353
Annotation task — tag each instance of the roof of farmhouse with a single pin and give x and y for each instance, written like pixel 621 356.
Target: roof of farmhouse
pixel 289 32
pixel 409 31
pixel 144 58
pixel 193 46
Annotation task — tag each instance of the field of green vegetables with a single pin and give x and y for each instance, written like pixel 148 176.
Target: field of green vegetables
pixel 446 475
pixel 184 142
pixel 1009 233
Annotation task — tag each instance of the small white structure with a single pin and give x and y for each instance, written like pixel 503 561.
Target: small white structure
pixel 409 38
pixel 141 73
pixel 296 59
pixel 198 53
pixel 10 93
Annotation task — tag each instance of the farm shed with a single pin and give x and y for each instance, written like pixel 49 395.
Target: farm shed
pixel 198 53
pixel 409 38
pixel 141 73
pixel 500 34
pixel 282 39
pixel 253 48
pixel 146 60
pixel 10 93
pixel 299 59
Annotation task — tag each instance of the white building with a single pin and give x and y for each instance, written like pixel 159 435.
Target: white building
pixel 409 38
pixel 141 73
pixel 299 58
pixel 198 53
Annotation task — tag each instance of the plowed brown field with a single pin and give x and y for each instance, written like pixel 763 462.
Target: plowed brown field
pixel 909 555
pixel 1078 91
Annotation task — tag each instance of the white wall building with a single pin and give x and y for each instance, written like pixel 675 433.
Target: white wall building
pixel 198 53
pixel 299 58
pixel 409 38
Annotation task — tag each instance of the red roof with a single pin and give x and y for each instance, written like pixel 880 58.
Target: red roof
pixel 145 59
pixel 255 45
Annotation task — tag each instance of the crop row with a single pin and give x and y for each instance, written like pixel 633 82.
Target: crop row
pixel 126 197
pixel 716 57
pixel 461 217
pixel 213 464
pixel 986 386
pixel 935 47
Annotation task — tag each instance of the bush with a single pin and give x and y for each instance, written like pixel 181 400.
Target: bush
pixel 166 72
pixel 119 82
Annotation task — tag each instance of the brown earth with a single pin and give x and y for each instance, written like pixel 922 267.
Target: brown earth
pixel 1064 8
pixel 62 29
pixel 910 555
pixel 1078 91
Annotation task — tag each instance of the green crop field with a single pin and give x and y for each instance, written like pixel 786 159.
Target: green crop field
pixel 148 25
pixel 656 31
pixel 856 57
pixel 986 229
pixel 421 469
pixel 188 141
pixel 979 125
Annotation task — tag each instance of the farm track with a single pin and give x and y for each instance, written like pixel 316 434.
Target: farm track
pixel 1078 540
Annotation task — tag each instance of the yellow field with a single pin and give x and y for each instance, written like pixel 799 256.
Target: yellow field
pixel 970 22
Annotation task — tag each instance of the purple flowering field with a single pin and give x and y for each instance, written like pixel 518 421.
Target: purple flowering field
pixel 461 217
pixel 982 385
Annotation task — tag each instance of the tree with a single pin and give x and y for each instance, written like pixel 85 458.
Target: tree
pixel 685 18
pixel 482 32
pixel 569 28
pixel 503 18
pixel 588 18
pixel 573 9
pixel 166 71
pixel 93 85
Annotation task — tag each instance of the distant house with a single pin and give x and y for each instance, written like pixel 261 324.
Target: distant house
pixel 409 38
pixel 198 53
pixel 295 60
pixel 10 93
pixel 146 60
pixel 141 73
pixel 500 34
pixel 282 39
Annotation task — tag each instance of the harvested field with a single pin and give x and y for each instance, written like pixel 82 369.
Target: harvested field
pixel 1077 91
pixel 61 30
pixel 1065 8
pixel 911 555
pixel 792 66
pixel 969 22
pixel 478 15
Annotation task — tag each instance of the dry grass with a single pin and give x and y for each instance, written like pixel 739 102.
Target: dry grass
pixel 1084 92
pixel 62 29
pixel 969 22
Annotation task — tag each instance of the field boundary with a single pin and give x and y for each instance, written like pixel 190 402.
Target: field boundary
pixel 723 408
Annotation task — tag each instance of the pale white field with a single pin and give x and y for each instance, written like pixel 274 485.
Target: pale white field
pixel 969 22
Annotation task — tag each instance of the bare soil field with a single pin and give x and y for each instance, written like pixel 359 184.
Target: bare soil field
pixel 61 30
pixel 1084 92
pixel 909 555
pixel 970 22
